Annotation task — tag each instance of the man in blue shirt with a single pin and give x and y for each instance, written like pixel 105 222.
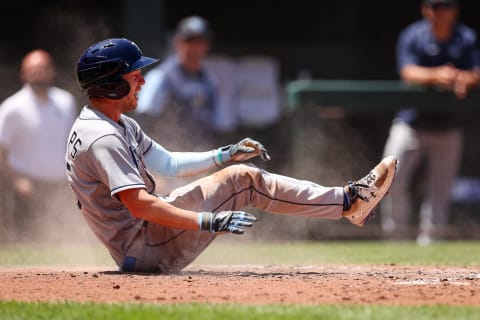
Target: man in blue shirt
pixel 440 52
pixel 182 90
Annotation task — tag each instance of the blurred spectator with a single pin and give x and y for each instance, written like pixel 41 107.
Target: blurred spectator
pixel 179 102
pixel 211 94
pixel 183 91
pixel 437 51
pixel 34 126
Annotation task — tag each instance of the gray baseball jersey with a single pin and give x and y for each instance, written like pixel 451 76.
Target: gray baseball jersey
pixel 103 158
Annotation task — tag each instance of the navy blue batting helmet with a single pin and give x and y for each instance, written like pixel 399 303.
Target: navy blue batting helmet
pixel 100 67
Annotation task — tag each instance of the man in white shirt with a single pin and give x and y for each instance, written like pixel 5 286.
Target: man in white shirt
pixel 34 124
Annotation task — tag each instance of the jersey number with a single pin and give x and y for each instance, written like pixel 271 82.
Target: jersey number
pixel 74 143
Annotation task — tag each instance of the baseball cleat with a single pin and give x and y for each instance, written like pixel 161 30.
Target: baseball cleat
pixel 364 195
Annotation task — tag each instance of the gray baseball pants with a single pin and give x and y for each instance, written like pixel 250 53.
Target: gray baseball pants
pixel 442 152
pixel 168 250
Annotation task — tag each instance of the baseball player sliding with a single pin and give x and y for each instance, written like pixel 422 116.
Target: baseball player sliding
pixel 110 162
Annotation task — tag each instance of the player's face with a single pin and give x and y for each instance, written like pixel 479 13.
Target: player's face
pixel 194 49
pixel 37 70
pixel 442 15
pixel 136 80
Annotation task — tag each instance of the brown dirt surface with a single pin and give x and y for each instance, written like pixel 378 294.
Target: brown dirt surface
pixel 388 285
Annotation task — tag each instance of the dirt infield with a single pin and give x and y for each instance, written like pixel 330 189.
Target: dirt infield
pixel 393 285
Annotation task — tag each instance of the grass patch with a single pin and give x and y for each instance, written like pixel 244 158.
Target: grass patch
pixel 225 251
pixel 346 252
pixel 65 311
pixel 27 255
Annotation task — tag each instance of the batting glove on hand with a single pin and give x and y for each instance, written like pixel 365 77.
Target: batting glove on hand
pixel 226 221
pixel 241 151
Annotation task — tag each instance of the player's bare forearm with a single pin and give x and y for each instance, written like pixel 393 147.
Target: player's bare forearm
pixel 446 76
pixel 442 76
pixel 148 207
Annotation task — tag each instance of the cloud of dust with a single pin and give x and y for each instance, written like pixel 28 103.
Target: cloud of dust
pixel 66 34
pixel 331 153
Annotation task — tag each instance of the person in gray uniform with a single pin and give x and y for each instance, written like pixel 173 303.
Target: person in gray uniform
pixel 110 162
pixel 181 95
